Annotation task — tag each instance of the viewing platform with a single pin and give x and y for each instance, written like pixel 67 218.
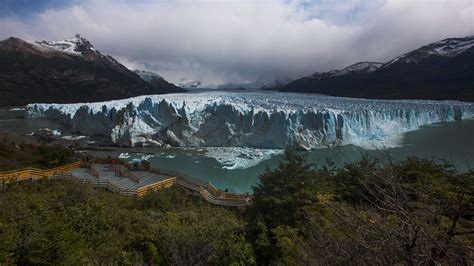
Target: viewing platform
pixel 119 179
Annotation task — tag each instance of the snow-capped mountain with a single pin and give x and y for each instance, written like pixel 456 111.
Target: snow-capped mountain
pixel 70 70
pixel 74 46
pixel 357 68
pixel 445 48
pixel 440 70
pixel 254 119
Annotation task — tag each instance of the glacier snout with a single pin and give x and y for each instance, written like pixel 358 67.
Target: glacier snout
pixel 259 120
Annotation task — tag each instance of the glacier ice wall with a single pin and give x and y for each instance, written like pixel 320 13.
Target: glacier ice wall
pixel 259 120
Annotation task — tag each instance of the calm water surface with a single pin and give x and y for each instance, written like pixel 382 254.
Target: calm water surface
pixel 452 141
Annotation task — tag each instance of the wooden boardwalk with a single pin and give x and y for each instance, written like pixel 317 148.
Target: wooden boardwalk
pixel 117 178
pixel 35 173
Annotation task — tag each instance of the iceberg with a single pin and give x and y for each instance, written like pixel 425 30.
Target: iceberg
pixel 265 120
pixel 124 155
pixel 232 158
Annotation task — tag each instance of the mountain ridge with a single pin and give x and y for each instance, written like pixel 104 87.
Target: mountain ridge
pixel 157 81
pixel 443 70
pixel 66 71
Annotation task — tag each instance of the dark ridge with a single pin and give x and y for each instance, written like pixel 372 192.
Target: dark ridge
pixel 30 74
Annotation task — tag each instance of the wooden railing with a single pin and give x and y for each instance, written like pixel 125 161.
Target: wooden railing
pixel 156 186
pixel 106 184
pixel 213 194
pixel 204 189
pixel 134 178
pixel 35 173
pixel 121 170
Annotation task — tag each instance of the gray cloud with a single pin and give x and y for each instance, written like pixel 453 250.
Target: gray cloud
pixel 234 41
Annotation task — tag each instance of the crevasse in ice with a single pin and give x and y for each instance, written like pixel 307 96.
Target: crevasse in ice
pixel 258 119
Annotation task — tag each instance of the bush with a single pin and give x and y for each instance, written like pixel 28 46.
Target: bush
pixel 61 222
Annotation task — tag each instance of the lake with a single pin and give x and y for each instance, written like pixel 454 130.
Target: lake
pixel 452 141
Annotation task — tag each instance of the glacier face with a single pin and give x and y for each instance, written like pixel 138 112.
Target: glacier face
pixel 258 120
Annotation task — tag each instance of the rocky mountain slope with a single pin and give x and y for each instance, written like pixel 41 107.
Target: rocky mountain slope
pixel 441 70
pixel 157 81
pixel 66 71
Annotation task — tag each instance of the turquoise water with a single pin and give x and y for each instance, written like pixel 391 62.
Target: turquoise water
pixel 452 141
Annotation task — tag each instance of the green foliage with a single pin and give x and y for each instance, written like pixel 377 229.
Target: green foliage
pixel 282 193
pixel 151 254
pixel 287 243
pixel 369 212
pixel 62 222
pixel 280 200
pixel 15 156
pixel 202 236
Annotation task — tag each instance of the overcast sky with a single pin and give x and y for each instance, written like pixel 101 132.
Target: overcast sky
pixel 222 41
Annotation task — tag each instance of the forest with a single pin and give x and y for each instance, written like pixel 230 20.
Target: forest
pixel 373 211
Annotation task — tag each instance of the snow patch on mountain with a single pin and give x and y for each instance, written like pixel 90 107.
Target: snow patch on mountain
pixel 76 46
pixel 447 48
pixel 258 120
pixel 361 67
pixel 367 67
pixel 72 46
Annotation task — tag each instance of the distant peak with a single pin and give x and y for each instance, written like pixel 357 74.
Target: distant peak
pixel 365 65
pixel 360 67
pixel 12 38
pixel 14 43
pixel 77 45
pixel 449 47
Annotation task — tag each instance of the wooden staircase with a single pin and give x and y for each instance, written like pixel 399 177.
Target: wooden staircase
pixel 213 195
pixel 129 186
pixel 30 173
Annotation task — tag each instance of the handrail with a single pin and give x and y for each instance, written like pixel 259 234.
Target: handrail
pixel 37 169
pixel 133 177
pixel 205 189
pixel 30 172
pixel 107 184
pixel 213 194
pixel 158 185
pixel 219 201
pixel 123 171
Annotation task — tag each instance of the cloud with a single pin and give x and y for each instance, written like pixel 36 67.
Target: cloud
pixel 236 41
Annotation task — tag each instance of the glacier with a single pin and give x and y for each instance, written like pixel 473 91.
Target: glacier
pixel 232 158
pixel 267 120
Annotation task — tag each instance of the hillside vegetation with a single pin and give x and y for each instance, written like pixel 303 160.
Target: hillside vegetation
pixel 17 151
pixel 369 212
